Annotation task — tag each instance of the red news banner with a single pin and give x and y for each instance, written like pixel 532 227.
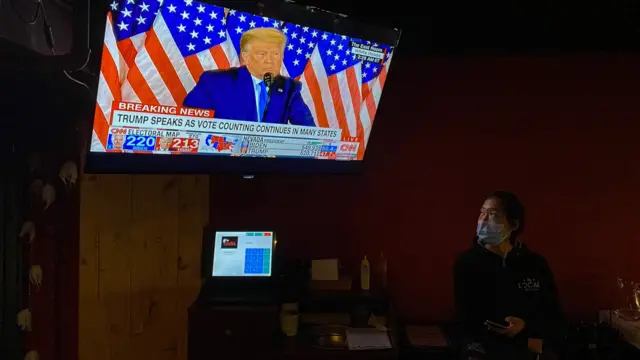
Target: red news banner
pixel 159 110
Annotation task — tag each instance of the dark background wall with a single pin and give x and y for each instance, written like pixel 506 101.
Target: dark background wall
pixel 561 132
pixel 41 131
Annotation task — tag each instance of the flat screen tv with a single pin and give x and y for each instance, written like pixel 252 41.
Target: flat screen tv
pixel 192 86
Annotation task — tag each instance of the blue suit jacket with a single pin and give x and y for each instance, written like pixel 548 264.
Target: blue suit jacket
pixel 230 93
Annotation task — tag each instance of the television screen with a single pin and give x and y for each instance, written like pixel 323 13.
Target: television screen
pixel 223 89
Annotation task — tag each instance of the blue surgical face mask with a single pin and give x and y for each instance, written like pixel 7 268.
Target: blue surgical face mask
pixel 491 233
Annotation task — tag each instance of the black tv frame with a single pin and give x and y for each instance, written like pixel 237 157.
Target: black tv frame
pixel 122 163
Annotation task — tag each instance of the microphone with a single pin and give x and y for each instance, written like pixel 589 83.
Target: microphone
pixel 268 79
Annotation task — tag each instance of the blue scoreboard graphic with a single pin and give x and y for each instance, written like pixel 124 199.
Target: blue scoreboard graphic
pixel 137 142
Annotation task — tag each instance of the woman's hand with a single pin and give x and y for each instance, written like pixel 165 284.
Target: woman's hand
pixel 516 325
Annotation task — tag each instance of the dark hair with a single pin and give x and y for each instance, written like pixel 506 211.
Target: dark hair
pixel 512 208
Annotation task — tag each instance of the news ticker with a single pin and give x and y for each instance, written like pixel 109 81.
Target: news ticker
pixel 142 140
pixel 143 128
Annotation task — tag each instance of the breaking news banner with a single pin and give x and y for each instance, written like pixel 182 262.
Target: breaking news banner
pixel 158 129
pixel 127 114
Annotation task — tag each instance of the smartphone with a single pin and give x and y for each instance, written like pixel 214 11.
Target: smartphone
pixel 494 324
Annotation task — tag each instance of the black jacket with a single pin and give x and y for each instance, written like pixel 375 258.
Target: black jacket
pixel 490 287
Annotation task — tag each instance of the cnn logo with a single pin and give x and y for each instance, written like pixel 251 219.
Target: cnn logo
pixel 348 147
pixel 116 131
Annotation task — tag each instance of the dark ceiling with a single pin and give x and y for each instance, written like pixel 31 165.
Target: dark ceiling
pixel 464 27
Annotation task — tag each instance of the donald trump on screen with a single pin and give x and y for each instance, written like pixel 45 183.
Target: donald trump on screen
pixel 245 93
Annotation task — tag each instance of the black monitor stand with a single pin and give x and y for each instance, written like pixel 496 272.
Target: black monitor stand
pixel 238 291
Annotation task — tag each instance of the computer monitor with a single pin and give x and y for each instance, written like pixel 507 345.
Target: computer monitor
pixel 243 254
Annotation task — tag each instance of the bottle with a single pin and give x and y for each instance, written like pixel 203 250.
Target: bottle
pixel 365 274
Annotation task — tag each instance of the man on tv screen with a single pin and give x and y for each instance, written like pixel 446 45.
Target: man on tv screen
pixel 241 93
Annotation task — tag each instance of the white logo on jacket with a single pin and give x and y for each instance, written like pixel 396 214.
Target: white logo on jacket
pixel 529 284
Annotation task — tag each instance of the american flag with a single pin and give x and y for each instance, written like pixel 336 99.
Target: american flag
pixel 340 96
pixel 155 51
pixel 374 75
pixel 301 41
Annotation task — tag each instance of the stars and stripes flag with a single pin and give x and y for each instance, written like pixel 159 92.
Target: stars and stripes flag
pixel 374 75
pixel 301 41
pixel 341 94
pixel 155 51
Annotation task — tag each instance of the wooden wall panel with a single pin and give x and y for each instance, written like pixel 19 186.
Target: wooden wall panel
pixel 140 242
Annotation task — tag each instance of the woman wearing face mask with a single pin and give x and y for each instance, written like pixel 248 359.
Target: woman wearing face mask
pixel 506 299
